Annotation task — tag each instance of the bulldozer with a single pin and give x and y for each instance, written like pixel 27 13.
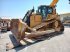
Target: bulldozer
pixel 35 25
pixel 5 25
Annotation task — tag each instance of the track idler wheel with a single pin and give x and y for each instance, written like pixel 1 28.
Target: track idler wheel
pixel 58 26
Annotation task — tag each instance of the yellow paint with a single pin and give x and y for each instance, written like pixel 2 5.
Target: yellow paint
pixel 35 20
pixel 54 2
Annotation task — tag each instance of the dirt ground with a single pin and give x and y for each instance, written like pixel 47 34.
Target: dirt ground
pixel 60 43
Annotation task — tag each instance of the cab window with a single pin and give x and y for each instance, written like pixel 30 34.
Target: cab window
pixel 49 10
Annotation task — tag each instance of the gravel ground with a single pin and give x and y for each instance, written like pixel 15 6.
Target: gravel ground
pixel 59 43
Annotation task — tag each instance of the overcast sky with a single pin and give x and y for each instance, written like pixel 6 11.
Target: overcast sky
pixel 18 8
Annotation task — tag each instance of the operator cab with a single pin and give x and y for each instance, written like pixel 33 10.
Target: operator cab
pixel 44 10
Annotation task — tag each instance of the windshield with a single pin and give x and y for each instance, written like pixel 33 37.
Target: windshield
pixel 49 10
pixel 44 10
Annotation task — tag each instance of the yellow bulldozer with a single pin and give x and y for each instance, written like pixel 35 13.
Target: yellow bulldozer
pixel 5 25
pixel 35 25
